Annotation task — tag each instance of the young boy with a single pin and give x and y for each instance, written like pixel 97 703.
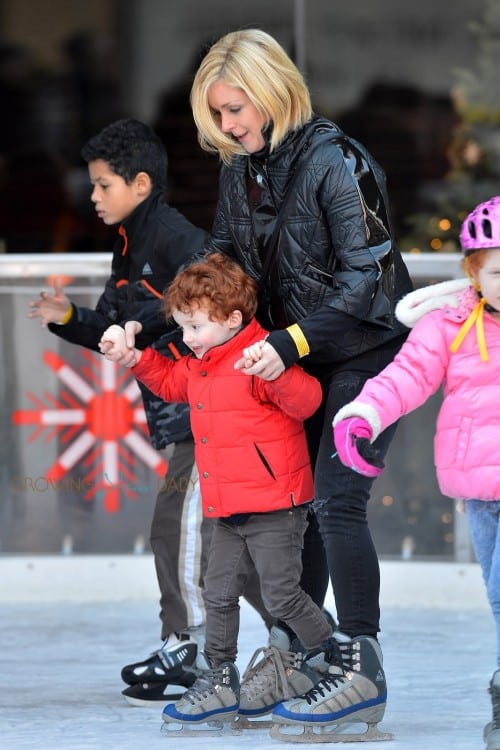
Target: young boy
pixel 127 165
pixel 255 478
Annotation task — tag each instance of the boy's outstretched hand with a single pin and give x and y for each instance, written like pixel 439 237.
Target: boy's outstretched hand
pixel 51 308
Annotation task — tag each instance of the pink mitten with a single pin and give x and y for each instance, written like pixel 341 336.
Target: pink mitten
pixel 352 441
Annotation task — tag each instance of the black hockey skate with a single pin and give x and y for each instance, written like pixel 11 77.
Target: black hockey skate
pixel 159 693
pixel 167 665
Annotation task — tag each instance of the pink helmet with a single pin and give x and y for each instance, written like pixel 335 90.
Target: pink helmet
pixel 481 228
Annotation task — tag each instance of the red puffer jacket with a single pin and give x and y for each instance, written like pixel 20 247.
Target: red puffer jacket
pixel 250 444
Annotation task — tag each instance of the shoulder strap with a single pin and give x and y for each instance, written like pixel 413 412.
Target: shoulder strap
pixel 273 244
pixel 330 133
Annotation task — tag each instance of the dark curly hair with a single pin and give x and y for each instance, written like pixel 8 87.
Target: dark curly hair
pixel 129 147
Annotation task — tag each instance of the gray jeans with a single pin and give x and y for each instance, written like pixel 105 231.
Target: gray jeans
pixel 180 540
pixel 272 542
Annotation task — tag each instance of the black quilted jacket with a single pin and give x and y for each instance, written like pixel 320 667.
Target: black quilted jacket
pixel 326 275
pixel 159 240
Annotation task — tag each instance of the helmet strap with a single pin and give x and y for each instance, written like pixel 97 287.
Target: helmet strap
pixel 475 318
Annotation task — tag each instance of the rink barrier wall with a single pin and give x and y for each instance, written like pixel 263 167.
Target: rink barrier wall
pixel 115 578
pixel 103 578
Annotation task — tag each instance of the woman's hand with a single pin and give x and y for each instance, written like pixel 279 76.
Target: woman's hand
pixel 268 366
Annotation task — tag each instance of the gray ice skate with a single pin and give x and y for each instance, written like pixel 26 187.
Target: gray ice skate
pixel 353 692
pixel 212 701
pixel 491 733
pixel 278 674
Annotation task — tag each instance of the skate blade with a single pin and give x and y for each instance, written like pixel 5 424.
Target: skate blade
pixel 170 694
pixel 243 723
pixel 201 729
pixel 307 734
pixel 153 703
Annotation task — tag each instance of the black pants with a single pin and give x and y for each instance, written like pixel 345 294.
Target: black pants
pixel 340 509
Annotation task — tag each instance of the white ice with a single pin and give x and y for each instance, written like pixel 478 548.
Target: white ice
pixel 61 662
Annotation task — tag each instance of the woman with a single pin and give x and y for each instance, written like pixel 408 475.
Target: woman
pixel 329 276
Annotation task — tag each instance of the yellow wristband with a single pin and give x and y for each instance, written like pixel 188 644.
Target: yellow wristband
pixel 299 339
pixel 67 316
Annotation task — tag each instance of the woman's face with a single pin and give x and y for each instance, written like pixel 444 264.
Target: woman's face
pixel 237 116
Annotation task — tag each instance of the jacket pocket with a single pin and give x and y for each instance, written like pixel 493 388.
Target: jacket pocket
pixel 321 276
pixel 452 444
pixel 264 461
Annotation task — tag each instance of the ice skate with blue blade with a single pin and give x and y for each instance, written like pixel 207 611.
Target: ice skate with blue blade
pixel 209 706
pixel 352 692
pixel 274 673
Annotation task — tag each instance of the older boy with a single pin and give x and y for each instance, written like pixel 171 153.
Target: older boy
pixel 127 166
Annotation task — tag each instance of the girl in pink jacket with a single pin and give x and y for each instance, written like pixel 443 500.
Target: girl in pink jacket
pixel 454 344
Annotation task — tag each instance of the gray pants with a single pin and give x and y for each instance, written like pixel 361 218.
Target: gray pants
pixel 180 540
pixel 270 543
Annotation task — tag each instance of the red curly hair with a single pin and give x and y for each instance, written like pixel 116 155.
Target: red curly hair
pixel 216 283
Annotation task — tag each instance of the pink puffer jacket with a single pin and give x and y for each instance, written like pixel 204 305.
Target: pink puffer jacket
pixel 467 439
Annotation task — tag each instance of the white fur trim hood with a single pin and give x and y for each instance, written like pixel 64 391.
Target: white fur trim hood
pixel 458 297
pixel 434 297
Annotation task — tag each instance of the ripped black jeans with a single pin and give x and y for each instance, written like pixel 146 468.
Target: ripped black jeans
pixel 340 507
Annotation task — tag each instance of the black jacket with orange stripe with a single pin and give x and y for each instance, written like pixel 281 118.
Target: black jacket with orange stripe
pixel 152 243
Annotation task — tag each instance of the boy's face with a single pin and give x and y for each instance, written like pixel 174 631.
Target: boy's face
pixel 200 333
pixel 112 197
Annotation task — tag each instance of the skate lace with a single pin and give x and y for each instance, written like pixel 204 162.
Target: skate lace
pixel 206 681
pixel 318 691
pixel 337 655
pixel 269 672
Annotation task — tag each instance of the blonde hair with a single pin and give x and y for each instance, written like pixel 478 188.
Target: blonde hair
pixel 253 61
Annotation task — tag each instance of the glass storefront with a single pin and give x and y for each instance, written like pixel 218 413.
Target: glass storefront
pixel 78 473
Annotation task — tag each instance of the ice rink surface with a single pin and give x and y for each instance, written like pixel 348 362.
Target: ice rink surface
pixel 61 662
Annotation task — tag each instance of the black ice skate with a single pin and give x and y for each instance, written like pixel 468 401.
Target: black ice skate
pixel 354 691
pixel 159 693
pixel 167 664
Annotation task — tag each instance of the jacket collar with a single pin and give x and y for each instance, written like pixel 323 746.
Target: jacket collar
pixel 456 297
pixel 460 303
pixel 287 151
pixel 140 215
